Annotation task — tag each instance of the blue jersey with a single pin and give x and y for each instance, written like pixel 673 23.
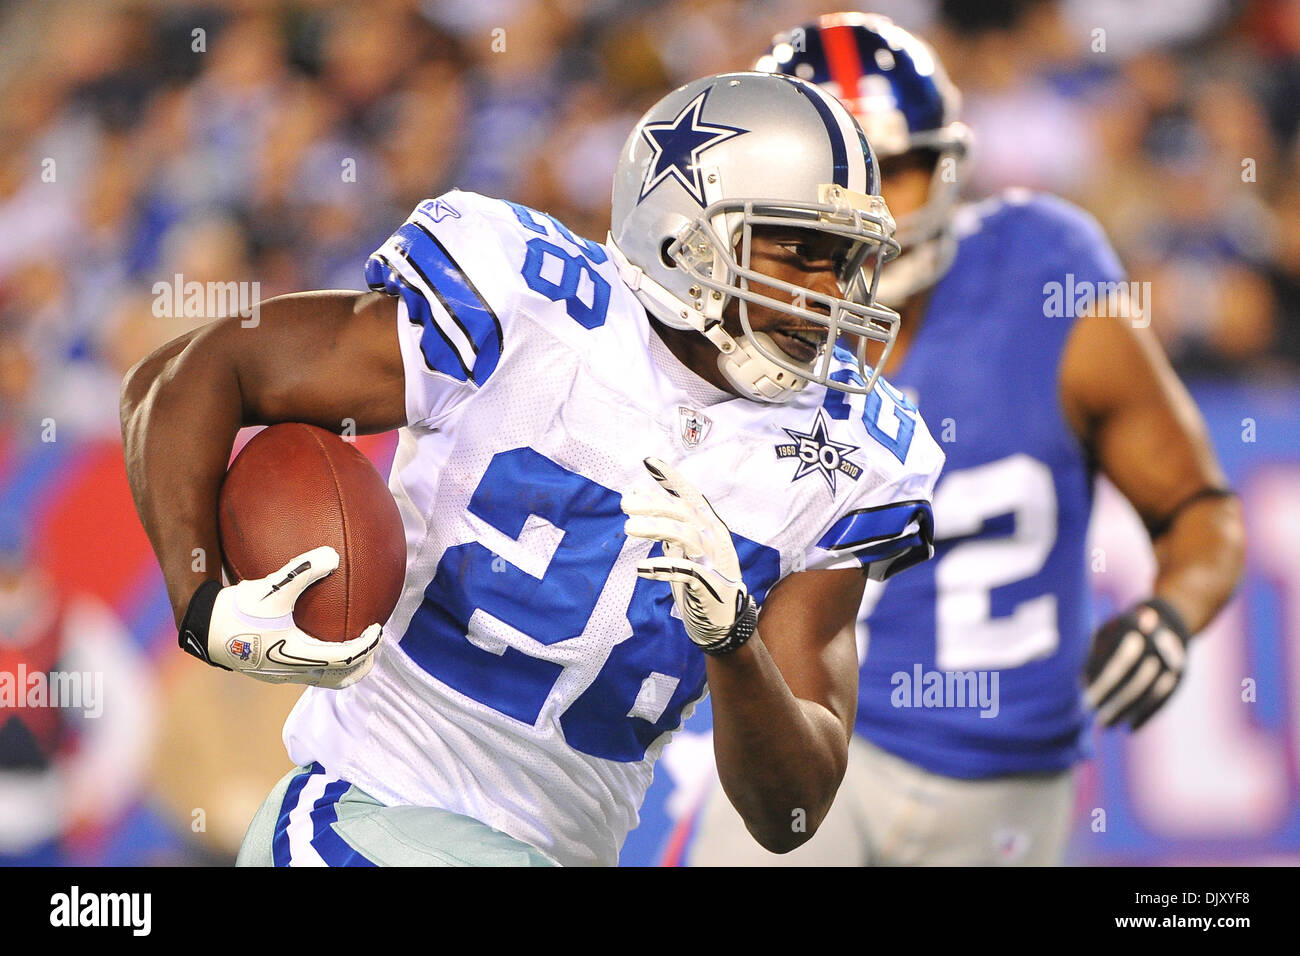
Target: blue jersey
pixel 974 658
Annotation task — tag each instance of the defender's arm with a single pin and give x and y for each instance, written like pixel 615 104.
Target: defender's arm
pixel 1136 419
pixel 1145 433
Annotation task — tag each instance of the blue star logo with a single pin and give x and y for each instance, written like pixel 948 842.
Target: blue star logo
pixel 819 454
pixel 677 147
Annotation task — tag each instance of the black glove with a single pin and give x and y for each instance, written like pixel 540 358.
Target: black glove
pixel 1137 660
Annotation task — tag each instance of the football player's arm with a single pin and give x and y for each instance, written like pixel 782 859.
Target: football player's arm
pixel 1144 432
pixel 784 706
pixel 316 357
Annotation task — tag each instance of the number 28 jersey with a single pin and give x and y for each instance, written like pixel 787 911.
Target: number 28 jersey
pixel 528 677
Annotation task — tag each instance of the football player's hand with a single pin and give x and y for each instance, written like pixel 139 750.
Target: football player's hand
pixel 248 627
pixel 1137 660
pixel 699 559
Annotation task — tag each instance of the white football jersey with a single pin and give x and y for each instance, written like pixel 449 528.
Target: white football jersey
pixel 528 677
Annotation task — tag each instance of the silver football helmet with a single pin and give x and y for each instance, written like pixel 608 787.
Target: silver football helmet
pixel 725 154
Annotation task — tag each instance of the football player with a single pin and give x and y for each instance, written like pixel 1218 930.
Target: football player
pixel 1031 401
pixel 627 472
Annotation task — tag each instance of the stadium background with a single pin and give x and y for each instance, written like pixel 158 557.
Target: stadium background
pixel 140 140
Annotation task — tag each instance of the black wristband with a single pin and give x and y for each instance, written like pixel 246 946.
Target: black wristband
pixel 1161 527
pixel 1169 617
pixel 193 635
pixel 741 631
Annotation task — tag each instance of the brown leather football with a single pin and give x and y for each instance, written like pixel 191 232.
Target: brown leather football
pixel 295 487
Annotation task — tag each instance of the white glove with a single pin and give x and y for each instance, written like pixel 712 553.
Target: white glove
pixel 248 627
pixel 699 559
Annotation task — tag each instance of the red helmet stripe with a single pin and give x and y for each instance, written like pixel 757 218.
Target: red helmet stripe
pixel 841 46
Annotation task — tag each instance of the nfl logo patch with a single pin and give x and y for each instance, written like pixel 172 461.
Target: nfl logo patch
pixel 241 649
pixel 695 425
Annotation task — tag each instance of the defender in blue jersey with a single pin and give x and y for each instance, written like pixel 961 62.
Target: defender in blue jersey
pixel 1027 358
pixel 629 473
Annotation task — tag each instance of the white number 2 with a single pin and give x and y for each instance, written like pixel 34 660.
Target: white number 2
pixel 967 636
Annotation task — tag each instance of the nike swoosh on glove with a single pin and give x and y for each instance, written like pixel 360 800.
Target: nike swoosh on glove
pixel 248 627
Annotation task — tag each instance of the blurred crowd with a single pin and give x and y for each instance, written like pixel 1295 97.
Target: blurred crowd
pixel 280 142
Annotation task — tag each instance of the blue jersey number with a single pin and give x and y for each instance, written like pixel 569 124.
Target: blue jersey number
pixel 902 411
pixel 587 308
pixel 647 679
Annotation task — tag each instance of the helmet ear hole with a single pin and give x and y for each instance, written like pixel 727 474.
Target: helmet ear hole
pixel 666 259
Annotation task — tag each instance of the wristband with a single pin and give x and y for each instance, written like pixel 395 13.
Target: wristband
pixel 193 634
pixel 1161 527
pixel 741 631
pixel 1169 617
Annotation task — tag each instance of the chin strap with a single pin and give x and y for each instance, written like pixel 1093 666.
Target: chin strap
pixel 753 375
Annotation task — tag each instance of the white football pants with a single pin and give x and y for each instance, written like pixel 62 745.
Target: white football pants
pixel 889 812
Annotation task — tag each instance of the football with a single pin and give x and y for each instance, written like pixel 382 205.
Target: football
pixel 295 487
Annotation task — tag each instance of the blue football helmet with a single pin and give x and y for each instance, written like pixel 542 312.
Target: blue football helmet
pixel 898 91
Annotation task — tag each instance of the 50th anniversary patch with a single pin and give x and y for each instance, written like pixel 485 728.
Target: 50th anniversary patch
pixel 818 453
